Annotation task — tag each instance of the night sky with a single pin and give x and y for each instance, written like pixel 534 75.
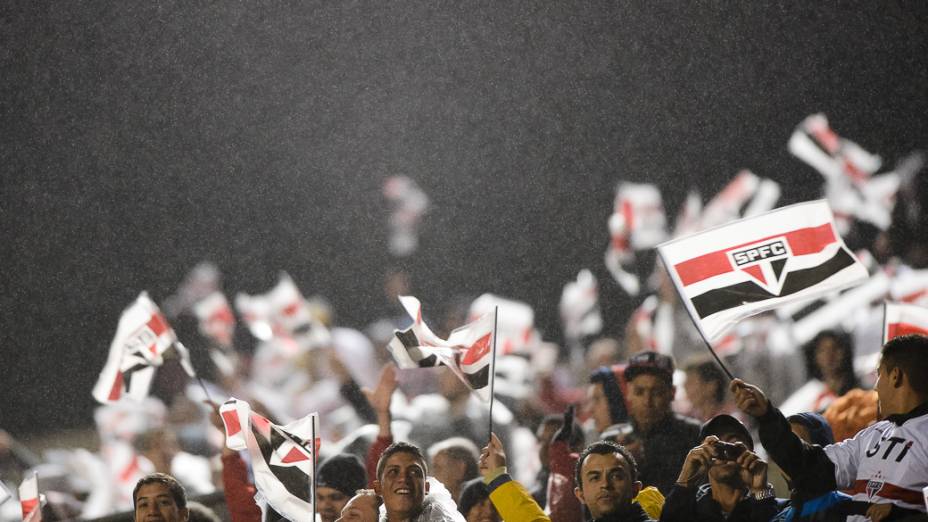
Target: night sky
pixel 139 138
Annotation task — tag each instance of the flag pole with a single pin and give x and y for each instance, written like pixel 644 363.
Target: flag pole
pixel 312 480
pixel 718 360
pixel 493 369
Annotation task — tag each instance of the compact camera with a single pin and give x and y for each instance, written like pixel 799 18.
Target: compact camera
pixel 728 451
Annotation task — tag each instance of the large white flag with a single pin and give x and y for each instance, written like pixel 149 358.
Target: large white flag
pixel 468 352
pixel 904 319
pixel 734 271
pixel 142 338
pixel 282 457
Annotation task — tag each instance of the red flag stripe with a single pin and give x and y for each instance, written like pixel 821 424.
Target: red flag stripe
pixel 803 241
pixel 294 455
pixel 233 426
pixel 116 390
pixel 890 491
pixel 157 324
pixel 897 329
pixel 29 505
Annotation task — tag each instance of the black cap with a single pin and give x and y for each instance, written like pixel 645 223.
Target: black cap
pixel 724 424
pixel 343 472
pixel 650 362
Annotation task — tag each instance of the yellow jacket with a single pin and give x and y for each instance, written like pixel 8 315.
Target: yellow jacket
pixel 512 501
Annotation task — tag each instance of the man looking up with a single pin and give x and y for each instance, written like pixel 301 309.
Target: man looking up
pixel 607 480
pixel 885 464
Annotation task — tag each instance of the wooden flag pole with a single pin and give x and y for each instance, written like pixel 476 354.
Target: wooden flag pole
pixel 493 370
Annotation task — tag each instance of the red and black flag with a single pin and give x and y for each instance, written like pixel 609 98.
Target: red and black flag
pixel 282 457
pixel 734 271
pixel 468 352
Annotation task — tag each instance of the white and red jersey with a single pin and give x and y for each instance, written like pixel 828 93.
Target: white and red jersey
pixel 885 462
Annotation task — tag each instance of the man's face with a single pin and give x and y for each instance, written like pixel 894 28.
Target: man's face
pixel 482 511
pixel 402 484
pixel 361 508
pixel 649 398
pixel 699 392
pixel 606 484
pixel 884 391
pixel 154 503
pixel 329 503
pixel 448 470
pixel 597 406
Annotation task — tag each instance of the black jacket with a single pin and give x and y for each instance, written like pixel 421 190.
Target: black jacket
pixel 634 513
pixel 665 449
pixel 692 504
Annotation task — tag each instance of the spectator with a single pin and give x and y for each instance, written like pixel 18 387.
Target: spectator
pixel 736 487
pixel 454 461
pixel 475 504
pixel 706 386
pixel 829 358
pixel 160 496
pixel 884 464
pixel 605 398
pixel 512 501
pixel 339 476
pixel 362 507
pixel 606 479
pixel 401 483
pixel 665 436
pixel 545 433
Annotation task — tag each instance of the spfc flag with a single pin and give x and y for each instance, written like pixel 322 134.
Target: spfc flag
pixel 282 457
pixel 734 271
pixel 30 500
pixel 142 337
pixel 468 352
pixel 903 319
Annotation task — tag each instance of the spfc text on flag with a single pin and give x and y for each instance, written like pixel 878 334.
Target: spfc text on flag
pixel 734 271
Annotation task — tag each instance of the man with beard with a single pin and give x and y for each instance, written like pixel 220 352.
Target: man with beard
pixel 736 490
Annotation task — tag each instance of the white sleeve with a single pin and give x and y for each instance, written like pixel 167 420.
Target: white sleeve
pixel 845 456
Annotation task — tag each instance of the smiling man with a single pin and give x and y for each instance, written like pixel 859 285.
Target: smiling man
pixel 159 497
pixel 607 481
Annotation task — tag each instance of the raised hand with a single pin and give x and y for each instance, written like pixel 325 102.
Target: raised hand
pixel 749 398
pixel 753 470
pixel 697 461
pixel 492 457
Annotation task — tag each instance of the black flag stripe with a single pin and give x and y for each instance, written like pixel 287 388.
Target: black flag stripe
pixel 720 299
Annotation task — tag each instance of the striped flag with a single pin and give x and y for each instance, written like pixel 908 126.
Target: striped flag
pixel 756 264
pixel 282 457
pixel 30 500
pixel 142 338
pixel 468 352
pixel 903 319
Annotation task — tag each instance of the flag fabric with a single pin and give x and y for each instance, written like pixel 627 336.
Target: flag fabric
pixel 834 157
pixel 409 203
pixel 638 222
pixel 756 264
pixel 30 500
pixel 903 319
pixel 579 307
pixel 910 286
pixel 468 352
pixel 282 457
pixel 4 493
pixel 215 318
pixel 515 329
pixel 200 282
pixel 282 312
pixel 142 338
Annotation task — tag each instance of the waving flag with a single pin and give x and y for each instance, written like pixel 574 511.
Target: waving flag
pixel 903 319
pixel 737 270
pixel 515 329
pixel 30 500
pixel 468 352
pixel 282 457
pixel 282 312
pixel 579 307
pixel 834 157
pixel 142 338
pixel 638 222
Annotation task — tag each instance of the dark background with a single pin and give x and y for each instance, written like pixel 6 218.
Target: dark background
pixel 140 138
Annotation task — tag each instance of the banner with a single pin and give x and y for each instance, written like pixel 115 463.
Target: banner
pixel 904 319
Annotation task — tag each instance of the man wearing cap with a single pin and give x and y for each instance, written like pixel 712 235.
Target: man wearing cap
pixel 735 487
pixel 337 480
pixel 663 437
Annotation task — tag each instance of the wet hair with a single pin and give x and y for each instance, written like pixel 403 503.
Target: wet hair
pixel 709 371
pixel 461 450
pixel 907 352
pixel 174 487
pixel 401 447
pixel 605 447
pixel 201 513
pixel 845 344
